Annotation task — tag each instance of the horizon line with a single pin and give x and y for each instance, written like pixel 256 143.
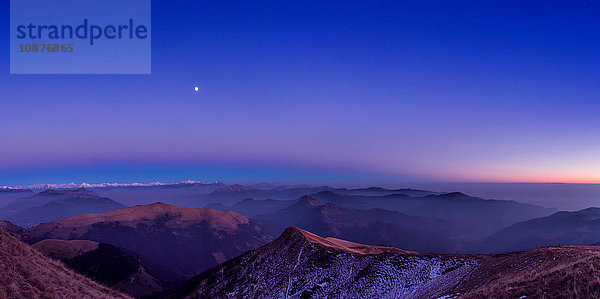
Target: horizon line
pixel 70 185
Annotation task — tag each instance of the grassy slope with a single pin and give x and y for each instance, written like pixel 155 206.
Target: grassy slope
pixel 26 273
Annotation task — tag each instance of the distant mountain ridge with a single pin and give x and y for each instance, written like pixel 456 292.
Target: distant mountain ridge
pixel 457 210
pixel 250 207
pixel 101 185
pixel 562 228
pixel 53 205
pixel 374 226
pixel 6 189
pixel 485 216
pixel 467 220
pixel 230 194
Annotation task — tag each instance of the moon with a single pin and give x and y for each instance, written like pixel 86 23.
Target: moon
pixel 196 88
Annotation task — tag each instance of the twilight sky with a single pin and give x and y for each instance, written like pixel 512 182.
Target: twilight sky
pixel 312 92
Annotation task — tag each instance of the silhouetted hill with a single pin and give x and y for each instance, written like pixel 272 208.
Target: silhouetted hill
pixel 250 207
pixel 9 195
pixel 217 206
pixel 37 200
pixel 52 205
pixel 394 202
pixel 378 191
pixel 231 194
pixel 483 215
pixel 561 228
pixel 182 194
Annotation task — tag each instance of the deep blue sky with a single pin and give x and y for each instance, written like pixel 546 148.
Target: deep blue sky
pixel 312 92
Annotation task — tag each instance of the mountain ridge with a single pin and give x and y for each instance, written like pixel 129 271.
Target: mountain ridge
pixel 299 264
pixel 561 228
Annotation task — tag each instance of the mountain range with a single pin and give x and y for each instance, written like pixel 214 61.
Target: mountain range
pixel 250 207
pixel 8 195
pixel 442 223
pixel 231 194
pixel 375 226
pixel 561 228
pixel 53 205
pixel 375 242
pixel 484 216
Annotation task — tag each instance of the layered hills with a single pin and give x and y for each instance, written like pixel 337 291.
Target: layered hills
pixel 53 205
pixel 561 228
pixel 185 240
pixel 375 226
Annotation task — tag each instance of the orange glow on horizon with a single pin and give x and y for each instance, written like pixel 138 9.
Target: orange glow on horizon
pixel 564 179
pixel 505 176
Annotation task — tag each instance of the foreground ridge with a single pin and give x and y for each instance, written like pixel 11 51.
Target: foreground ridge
pixel 299 264
pixel 26 273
